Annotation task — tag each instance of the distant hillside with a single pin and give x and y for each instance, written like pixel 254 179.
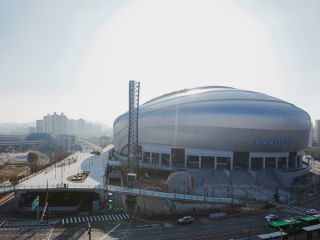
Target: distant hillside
pixel 105 127
pixel 24 128
pixel 15 128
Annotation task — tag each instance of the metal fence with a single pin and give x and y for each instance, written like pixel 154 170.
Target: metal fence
pixel 118 189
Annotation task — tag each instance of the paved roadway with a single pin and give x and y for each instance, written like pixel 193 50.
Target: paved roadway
pixel 237 225
pixel 60 172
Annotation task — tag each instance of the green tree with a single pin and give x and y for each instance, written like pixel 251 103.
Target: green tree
pixel 60 154
pixel 34 158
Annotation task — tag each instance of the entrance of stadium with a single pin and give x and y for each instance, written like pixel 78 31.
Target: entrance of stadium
pixel 241 160
pixel 178 155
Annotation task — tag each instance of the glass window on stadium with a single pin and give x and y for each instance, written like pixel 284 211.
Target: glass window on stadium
pixel 165 159
pixel 146 157
pixel 223 163
pixel 270 163
pixel 282 162
pixel 155 158
pixel 193 161
pixel 256 163
pixel 207 162
pixel 178 157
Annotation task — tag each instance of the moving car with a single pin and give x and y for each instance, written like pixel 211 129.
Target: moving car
pixel 185 220
pixel 271 217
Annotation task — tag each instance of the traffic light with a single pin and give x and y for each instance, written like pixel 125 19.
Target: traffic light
pixel 35 203
pixel 109 201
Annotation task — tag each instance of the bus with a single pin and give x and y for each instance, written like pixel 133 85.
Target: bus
pixel 273 236
pixel 309 220
pixel 288 226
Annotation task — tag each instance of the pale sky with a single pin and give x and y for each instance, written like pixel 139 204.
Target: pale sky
pixel 77 56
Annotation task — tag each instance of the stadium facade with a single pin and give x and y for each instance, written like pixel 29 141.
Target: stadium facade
pixel 218 128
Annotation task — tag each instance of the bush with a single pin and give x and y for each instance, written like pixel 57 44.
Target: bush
pixel 34 158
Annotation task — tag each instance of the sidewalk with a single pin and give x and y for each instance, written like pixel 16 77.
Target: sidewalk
pixel 30 223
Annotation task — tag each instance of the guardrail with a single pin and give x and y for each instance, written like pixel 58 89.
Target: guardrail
pixel 305 166
pixel 174 196
pixel 118 189
pixel 14 188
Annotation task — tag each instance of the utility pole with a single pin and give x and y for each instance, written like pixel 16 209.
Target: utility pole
pixel 89 231
pixel 46 205
pixel 61 174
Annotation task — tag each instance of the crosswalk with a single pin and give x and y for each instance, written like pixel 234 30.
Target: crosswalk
pixel 2 223
pixel 119 217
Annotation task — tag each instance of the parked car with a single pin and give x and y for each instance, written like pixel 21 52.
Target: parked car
pixel 271 217
pixel 185 220
pixel 311 212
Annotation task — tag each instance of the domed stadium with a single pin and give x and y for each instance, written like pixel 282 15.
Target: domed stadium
pixel 218 128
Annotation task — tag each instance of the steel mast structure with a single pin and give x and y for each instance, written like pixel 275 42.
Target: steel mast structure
pixel 133 127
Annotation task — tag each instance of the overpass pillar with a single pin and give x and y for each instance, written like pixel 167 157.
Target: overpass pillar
pixel 264 163
pixel 185 160
pixel 231 163
pixel 101 196
pixel 215 163
pixel 249 163
pixel 287 163
pixel 277 162
pixel 17 199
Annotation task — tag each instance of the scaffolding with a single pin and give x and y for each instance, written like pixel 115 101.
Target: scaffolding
pixel 133 127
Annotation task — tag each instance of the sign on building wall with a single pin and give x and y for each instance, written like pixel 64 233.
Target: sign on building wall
pixel 275 141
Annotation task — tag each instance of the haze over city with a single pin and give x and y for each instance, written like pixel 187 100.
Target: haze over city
pixel 76 57
pixel 160 119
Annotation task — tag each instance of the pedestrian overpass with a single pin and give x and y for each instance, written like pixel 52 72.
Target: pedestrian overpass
pixel 58 178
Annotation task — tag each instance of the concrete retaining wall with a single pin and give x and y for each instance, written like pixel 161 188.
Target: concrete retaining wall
pixel 152 206
pixel 287 177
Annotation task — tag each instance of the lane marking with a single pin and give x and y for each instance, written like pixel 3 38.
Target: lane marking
pixel 50 233
pixel 107 234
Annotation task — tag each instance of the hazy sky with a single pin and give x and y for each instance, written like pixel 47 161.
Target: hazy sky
pixel 77 56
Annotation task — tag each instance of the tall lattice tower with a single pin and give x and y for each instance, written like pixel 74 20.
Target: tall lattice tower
pixel 133 127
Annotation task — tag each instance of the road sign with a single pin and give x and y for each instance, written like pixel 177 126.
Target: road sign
pixel 35 203
pixel 170 204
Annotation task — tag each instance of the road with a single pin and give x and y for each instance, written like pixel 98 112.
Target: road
pixel 236 226
pixel 219 228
